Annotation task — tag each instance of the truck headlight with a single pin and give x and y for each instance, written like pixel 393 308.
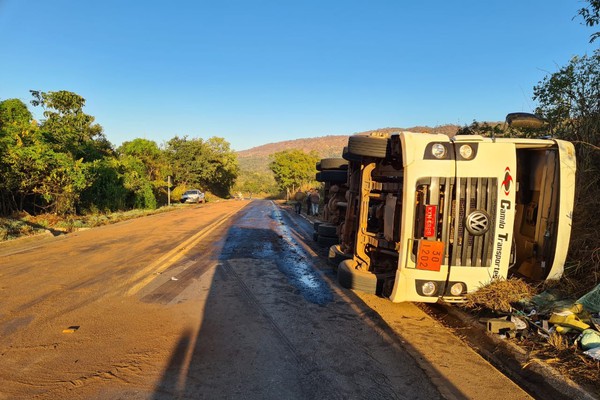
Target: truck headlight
pixel 466 151
pixel 438 150
pixel 429 288
pixel 456 289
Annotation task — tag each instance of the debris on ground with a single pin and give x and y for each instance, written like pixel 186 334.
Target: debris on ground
pixel 589 339
pixel 593 353
pixel 71 329
pixel 561 330
pixel 591 300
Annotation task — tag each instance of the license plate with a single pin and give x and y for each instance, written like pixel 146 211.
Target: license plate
pixel 430 255
pixel 430 220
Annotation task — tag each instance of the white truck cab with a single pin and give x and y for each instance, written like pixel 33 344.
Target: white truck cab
pixel 439 217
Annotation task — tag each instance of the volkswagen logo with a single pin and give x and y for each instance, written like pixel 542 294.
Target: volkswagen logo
pixel 478 223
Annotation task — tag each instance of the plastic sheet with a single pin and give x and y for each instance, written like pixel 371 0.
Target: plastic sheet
pixel 591 300
pixel 594 353
pixel 549 302
pixel 590 339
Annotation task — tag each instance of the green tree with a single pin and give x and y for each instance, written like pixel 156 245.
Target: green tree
pixel 51 181
pixel 148 152
pixel 16 123
pixel 207 164
pixel 483 129
pixel 107 191
pixel 17 129
pixel 591 16
pixel 188 159
pixel 293 168
pixel 136 182
pixel 570 99
pixel 256 183
pixel 223 166
pixel 67 129
pixel 155 166
pixel 54 164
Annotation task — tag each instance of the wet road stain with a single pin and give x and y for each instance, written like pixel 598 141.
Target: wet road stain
pixel 266 236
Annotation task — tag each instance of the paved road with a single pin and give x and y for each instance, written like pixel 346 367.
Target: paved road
pixel 224 300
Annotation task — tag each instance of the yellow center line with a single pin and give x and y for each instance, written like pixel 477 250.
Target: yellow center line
pixel 146 275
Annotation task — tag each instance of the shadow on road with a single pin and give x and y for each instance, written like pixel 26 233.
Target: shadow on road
pixel 276 326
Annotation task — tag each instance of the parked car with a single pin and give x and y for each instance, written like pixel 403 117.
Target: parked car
pixel 192 196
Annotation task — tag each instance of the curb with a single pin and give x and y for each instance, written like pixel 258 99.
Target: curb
pixel 532 374
pixel 28 239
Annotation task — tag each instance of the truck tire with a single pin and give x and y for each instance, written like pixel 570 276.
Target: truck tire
pixel 333 163
pixel 368 146
pixel 327 230
pixel 349 156
pixel 352 278
pixel 525 120
pixel 327 241
pixel 334 176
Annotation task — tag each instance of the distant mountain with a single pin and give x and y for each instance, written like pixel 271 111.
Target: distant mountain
pixel 257 158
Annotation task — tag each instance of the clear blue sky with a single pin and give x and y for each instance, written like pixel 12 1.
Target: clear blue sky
pixel 257 72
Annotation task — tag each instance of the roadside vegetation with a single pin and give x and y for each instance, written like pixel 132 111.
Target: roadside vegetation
pixel 294 170
pixel 64 167
pixel 24 224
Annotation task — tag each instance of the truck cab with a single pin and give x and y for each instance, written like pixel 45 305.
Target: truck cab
pixel 438 217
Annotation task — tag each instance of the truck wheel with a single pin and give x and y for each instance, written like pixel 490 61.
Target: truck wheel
pixel 327 241
pixel 351 278
pixel 334 176
pixel 368 146
pixel 349 156
pixel 333 163
pixel 327 230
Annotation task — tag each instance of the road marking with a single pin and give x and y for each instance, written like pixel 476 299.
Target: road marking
pixel 149 273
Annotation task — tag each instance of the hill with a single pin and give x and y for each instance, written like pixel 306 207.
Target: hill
pixel 256 159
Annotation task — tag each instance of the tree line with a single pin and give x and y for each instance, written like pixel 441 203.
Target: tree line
pixel 64 164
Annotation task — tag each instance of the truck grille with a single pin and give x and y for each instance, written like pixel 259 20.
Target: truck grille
pixel 456 199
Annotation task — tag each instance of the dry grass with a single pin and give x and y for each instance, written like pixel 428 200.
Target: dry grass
pixel 500 295
pixel 23 224
pixel 559 342
pixel 583 269
pixel 566 358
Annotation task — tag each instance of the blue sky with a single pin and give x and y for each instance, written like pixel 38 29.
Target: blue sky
pixel 257 72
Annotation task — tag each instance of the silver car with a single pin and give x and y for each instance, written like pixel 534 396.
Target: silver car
pixel 192 196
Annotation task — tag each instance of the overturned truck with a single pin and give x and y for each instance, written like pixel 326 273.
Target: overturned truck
pixel 430 217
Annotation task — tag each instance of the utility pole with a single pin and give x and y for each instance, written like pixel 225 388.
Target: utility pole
pixel 169 190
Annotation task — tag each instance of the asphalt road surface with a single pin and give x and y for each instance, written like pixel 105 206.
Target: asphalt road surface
pixel 225 300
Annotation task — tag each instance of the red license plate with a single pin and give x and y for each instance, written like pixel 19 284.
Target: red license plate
pixel 430 255
pixel 430 220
